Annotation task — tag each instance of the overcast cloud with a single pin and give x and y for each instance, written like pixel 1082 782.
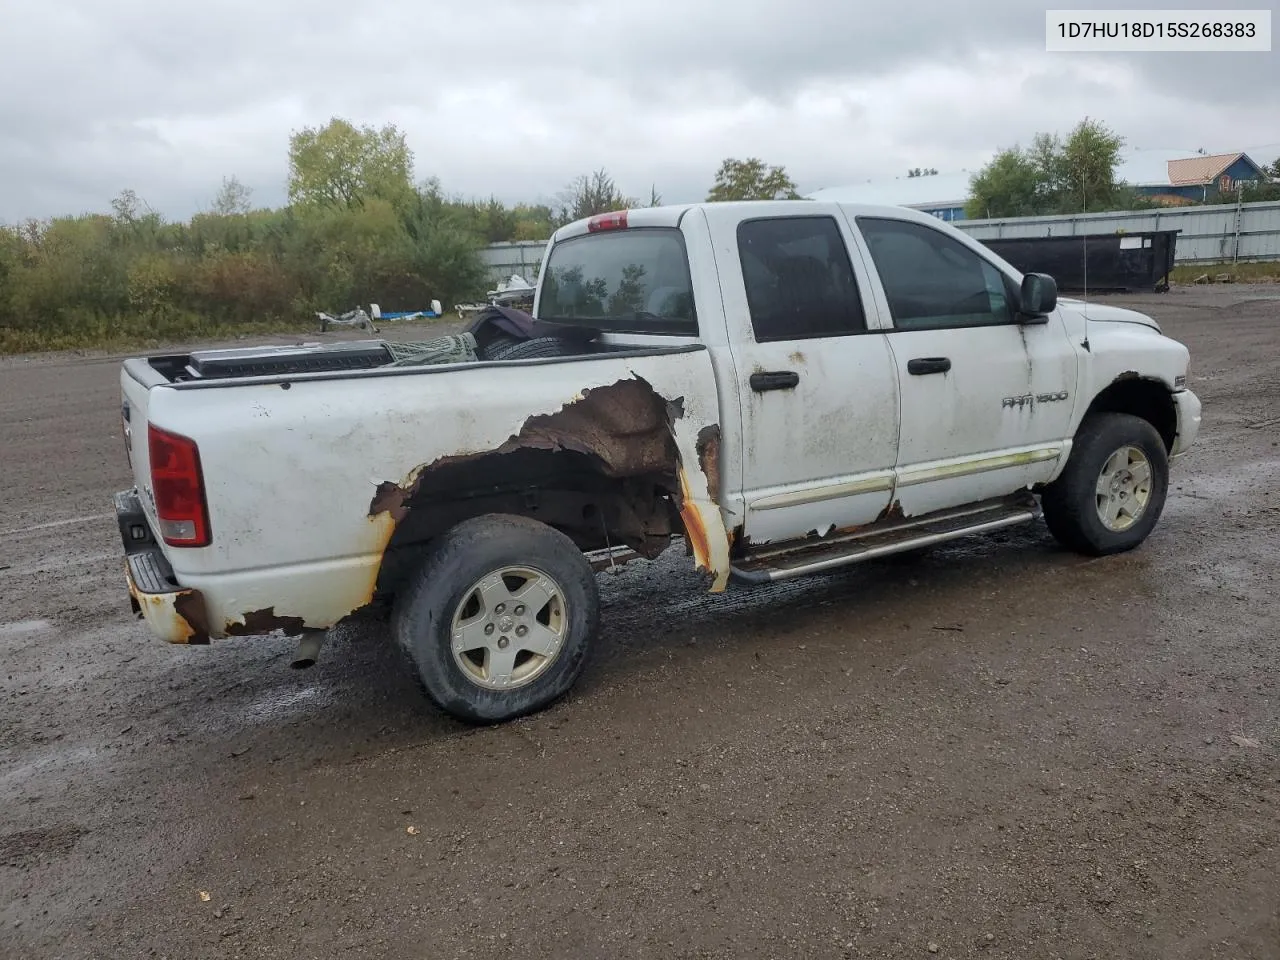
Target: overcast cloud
pixel 514 99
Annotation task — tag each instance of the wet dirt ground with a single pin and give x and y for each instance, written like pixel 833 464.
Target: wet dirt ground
pixel 997 750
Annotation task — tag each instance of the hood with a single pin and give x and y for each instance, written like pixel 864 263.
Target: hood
pixel 1101 313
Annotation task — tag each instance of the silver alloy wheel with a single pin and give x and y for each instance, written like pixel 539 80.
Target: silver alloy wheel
pixel 1124 488
pixel 509 627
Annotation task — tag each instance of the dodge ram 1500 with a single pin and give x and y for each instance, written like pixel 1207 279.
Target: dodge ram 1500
pixel 789 387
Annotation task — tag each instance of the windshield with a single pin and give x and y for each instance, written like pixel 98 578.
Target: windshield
pixel 633 281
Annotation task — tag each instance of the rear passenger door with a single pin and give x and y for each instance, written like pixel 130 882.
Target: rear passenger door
pixel 816 381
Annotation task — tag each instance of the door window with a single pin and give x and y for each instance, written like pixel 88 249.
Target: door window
pixel 933 281
pixel 799 280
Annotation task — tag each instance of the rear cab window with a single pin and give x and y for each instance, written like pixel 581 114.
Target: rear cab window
pixel 632 280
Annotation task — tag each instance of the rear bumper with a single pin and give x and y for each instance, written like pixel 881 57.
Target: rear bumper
pixel 174 613
pixel 1188 405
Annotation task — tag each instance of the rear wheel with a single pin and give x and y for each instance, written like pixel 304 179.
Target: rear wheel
pixel 1112 491
pixel 499 618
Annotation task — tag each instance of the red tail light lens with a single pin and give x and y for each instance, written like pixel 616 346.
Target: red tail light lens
pixel 178 486
pixel 608 221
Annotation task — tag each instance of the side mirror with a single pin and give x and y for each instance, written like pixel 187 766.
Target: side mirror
pixel 1038 296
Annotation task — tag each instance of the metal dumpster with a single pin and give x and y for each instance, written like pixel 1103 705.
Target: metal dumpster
pixel 1116 262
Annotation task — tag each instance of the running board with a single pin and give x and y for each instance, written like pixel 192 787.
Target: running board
pixel 877 541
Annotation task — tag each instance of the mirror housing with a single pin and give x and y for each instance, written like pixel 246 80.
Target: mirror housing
pixel 1038 296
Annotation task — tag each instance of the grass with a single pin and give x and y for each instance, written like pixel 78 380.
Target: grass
pixel 1238 272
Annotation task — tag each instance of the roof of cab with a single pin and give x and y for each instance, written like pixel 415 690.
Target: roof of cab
pixel 671 215
pixel 731 211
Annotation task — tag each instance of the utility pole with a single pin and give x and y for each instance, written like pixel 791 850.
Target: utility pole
pixel 1235 250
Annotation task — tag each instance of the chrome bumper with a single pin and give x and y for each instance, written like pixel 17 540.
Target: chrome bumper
pixel 1188 406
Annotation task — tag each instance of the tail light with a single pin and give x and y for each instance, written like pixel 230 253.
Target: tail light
pixel 126 432
pixel 608 221
pixel 178 486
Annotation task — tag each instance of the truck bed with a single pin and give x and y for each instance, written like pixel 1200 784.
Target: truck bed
pixel 309 473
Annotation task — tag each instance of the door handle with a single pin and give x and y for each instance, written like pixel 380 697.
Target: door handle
pixel 925 365
pixel 774 380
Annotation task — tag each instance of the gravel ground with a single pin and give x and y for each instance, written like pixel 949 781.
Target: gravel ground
pixel 997 750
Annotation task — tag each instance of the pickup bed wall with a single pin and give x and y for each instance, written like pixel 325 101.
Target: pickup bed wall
pixel 309 480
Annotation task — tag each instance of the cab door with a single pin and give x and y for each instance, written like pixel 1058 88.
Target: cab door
pixel 816 380
pixel 986 395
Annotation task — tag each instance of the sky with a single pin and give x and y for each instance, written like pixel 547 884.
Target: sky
pixel 515 99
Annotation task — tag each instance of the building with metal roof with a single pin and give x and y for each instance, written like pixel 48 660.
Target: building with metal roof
pixel 941 194
pixel 1205 176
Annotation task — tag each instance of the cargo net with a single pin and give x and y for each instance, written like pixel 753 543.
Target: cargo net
pixel 455 348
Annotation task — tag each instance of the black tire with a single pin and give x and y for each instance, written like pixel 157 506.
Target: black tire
pixel 509 348
pixel 1071 502
pixel 497 343
pixel 424 614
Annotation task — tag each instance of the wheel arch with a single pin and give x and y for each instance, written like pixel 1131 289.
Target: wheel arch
pixel 1144 397
pixel 618 466
pixel 566 490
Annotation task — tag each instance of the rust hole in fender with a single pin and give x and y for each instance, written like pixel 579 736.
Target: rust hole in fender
pixel 265 621
pixel 190 607
pixel 388 498
pixel 604 469
pixel 892 512
pixel 708 447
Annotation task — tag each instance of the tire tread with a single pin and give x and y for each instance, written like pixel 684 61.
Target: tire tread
pixel 1069 503
pixel 494 540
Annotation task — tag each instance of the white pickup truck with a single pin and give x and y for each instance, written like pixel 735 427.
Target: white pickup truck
pixel 788 386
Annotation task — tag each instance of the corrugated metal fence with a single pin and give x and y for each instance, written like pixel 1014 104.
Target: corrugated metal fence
pixel 1211 234
pixel 519 256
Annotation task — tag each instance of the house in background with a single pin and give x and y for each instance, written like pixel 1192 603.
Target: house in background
pixel 1203 178
pixel 1170 177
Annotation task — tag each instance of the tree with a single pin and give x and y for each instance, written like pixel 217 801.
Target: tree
pixel 922 172
pixel 591 194
pixel 1051 176
pixel 1273 171
pixel 1263 191
pixel 533 222
pixel 342 165
pixel 232 198
pixel 751 179
pixel 1087 175
pixel 496 222
pixel 129 207
pixel 1005 187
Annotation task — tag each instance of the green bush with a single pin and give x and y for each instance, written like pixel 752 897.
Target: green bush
pixel 132 277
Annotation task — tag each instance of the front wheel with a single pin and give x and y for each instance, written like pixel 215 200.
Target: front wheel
pixel 1113 488
pixel 499 618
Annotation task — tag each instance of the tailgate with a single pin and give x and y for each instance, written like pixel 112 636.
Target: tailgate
pixel 134 401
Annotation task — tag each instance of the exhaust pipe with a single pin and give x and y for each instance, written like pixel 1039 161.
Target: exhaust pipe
pixel 308 649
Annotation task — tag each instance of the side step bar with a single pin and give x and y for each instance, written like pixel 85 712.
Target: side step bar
pixel 777 564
